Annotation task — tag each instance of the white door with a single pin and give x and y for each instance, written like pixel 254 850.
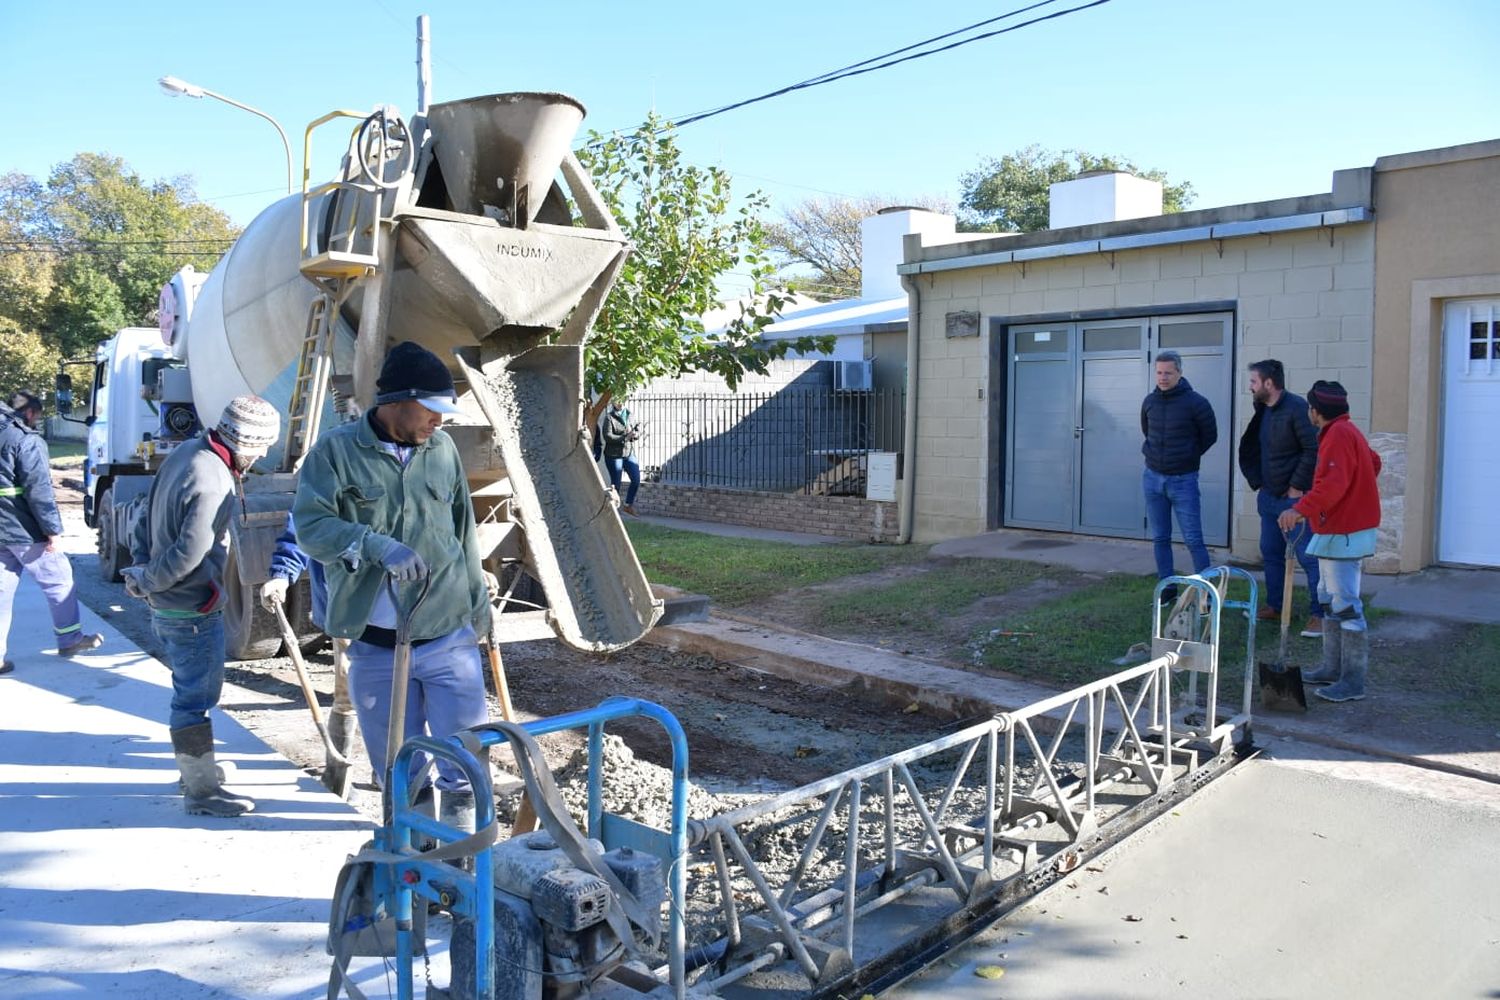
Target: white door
pixel 1470 476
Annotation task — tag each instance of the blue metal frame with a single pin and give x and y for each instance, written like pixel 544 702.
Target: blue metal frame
pixel 473 895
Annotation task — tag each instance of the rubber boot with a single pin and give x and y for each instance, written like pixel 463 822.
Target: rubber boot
pixel 202 794
pixel 341 727
pixel 458 811
pixel 1333 656
pixel 1351 684
pixel 425 804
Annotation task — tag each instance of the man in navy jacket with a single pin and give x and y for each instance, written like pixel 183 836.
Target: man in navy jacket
pixel 1179 428
pixel 29 529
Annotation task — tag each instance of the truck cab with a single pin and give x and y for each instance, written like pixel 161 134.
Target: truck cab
pixel 140 408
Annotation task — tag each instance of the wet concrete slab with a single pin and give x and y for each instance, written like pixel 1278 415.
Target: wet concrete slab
pixel 1279 880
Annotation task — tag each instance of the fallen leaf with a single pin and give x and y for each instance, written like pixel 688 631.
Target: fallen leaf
pixel 1104 890
pixel 805 751
pixel 1094 868
pixel 911 709
pixel 1131 918
pixel 1182 937
pixel 989 971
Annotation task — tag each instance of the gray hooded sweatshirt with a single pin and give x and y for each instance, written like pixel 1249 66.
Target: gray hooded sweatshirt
pixel 187 529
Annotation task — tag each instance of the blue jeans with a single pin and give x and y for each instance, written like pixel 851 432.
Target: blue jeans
pixel 195 652
pixel 1164 496
pixel 1338 589
pixel 631 468
pixel 444 693
pixel 1273 551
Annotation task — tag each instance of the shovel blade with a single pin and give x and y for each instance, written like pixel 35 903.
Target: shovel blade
pixel 1281 688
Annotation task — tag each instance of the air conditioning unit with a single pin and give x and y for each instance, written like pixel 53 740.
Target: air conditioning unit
pixel 853 376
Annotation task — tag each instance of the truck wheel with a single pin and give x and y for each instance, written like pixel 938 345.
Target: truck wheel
pixel 249 632
pixel 113 556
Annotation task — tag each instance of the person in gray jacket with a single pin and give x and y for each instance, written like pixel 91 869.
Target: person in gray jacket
pixel 180 548
pixel 29 528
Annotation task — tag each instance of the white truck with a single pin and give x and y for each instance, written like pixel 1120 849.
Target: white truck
pixel 472 230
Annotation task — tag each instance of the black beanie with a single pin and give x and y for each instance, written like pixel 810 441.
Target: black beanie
pixel 1330 399
pixel 411 371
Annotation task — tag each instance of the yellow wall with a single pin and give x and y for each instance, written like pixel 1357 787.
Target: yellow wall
pixel 1437 237
pixel 1303 296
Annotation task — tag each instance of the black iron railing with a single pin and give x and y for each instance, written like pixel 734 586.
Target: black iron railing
pixel 797 440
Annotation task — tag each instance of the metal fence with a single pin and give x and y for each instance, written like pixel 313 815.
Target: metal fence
pixel 798 440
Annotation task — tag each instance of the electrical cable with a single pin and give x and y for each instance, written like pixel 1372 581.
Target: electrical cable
pixel 844 75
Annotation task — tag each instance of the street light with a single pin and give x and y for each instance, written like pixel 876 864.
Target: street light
pixel 173 87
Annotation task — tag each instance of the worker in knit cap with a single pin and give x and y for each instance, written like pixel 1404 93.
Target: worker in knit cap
pixel 179 546
pixel 1343 511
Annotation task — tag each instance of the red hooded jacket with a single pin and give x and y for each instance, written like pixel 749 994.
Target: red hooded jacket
pixel 1344 498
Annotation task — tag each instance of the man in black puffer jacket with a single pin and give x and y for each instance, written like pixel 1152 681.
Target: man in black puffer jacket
pixel 1179 428
pixel 1278 455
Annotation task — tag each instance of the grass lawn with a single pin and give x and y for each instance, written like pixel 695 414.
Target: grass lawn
pixel 738 571
pixel 1078 636
pixel 67 454
pixel 920 605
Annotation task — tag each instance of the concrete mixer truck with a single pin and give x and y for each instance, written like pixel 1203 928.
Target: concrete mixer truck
pixel 470 229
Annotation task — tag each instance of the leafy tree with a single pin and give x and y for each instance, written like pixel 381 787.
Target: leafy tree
pixel 26 363
pixel 687 234
pixel 1011 194
pixel 88 251
pixel 824 234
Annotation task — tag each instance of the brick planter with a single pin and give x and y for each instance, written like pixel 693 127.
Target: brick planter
pixel 839 517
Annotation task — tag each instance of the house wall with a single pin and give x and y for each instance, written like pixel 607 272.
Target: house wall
pixel 1437 237
pixel 1305 297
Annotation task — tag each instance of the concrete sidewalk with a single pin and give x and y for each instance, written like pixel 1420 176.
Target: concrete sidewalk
pixel 107 887
pixel 1462 595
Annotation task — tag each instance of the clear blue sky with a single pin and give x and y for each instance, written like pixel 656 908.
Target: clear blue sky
pixel 1248 100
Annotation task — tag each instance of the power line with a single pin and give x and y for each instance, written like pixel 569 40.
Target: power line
pixel 835 73
pixel 859 69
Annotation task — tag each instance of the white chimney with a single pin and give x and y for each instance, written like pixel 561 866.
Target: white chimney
pixel 1102 196
pixel 880 246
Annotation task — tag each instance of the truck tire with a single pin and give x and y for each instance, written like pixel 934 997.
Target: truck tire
pixel 113 556
pixel 250 633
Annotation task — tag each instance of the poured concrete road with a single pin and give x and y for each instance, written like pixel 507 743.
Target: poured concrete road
pixel 1278 881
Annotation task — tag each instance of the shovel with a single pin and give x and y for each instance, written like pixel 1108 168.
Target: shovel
pixel 400 676
pixel 1280 684
pixel 333 777
pixel 526 819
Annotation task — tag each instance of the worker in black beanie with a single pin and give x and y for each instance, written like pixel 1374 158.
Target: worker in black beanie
pixel 383 504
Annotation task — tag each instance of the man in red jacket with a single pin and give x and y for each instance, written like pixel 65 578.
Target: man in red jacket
pixel 1343 510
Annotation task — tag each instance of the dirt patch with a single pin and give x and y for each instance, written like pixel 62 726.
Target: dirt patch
pixel 949 637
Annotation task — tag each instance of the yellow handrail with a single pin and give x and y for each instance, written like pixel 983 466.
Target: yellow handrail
pixel 307 159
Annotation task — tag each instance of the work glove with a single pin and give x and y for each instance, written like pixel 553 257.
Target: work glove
pixel 135 581
pixel 401 562
pixel 273 593
pixel 491 585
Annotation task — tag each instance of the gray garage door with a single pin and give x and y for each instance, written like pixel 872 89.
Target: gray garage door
pixel 1073 444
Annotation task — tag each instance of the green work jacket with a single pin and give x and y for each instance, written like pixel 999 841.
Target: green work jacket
pixel 350 491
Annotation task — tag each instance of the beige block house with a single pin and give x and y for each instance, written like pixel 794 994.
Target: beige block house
pixel 1389 283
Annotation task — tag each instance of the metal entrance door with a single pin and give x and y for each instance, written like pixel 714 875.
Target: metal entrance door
pixel 1073 445
pixel 1039 488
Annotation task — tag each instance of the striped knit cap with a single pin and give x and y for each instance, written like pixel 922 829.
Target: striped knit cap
pixel 1330 399
pixel 250 425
